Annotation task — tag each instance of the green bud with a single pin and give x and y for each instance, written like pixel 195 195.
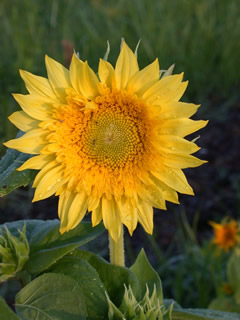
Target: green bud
pixel 14 253
pixel 149 308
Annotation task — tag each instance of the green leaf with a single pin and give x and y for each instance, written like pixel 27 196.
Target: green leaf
pixel 203 314
pixel 113 277
pixel 89 282
pixel 51 297
pixel 47 245
pixel 10 179
pixel 225 304
pixel 31 227
pixel 233 273
pixel 168 302
pixel 146 276
pixel 5 312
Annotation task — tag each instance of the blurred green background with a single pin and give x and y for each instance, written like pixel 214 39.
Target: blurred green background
pixel 202 37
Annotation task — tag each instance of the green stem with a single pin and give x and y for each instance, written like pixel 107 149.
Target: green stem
pixel 117 250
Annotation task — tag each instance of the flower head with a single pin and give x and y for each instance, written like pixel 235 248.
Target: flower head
pixel 225 234
pixel 112 144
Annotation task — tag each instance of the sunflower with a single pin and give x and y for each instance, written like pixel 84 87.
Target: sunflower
pixel 225 234
pixel 111 144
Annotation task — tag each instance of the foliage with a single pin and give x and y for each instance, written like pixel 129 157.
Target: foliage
pixel 47 245
pixel 230 301
pixel 78 284
pixel 14 253
pixel 6 312
pixel 51 296
pixel 192 272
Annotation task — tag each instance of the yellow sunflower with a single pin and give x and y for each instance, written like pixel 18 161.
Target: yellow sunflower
pixel 111 144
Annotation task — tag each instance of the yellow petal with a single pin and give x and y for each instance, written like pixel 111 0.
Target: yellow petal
pixel 35 106
pixel 50 148
pixel 58 77
pixel 111 218
pixel 182 161
pixel 128 214
pixel 177 110
pixel 61 189
pixel 75 71
pixel 74 211
pixel 31 142
pixel 164 90
pixel 93 203
pixel 23 121
pixel 89 84
pixel 126 66
pixel 49 183
pixel 145 215
pixel 180 91
pixel 97 215
pixel 48 167
pixel 175 144
pixel 154 197
pixel 37 85
pixel 65 200
pixel 106 73
pixel 144 79
pixel 174 178
pixel 37 162
pixel 164 190
pixel 215 225
pixel 181 127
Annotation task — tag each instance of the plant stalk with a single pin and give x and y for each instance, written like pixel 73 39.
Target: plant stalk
pixel 117 250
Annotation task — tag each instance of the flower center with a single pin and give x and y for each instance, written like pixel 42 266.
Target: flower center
pixel 112 139
pixel 112 136
pixel 116 132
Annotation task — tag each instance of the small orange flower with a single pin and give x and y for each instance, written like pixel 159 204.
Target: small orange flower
pixel 225 234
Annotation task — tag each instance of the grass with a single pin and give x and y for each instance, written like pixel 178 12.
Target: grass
pixel 201 37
